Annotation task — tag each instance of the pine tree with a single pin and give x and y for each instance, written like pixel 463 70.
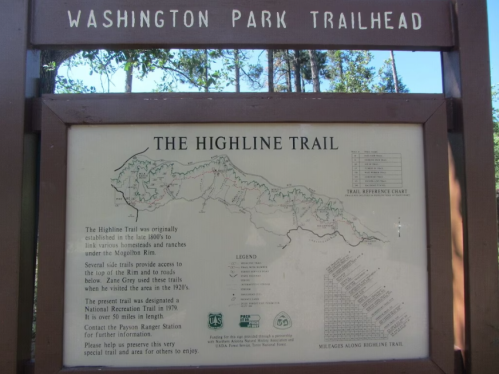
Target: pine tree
pixel 349 71
pixel 386 80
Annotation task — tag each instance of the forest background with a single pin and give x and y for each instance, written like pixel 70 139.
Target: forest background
pixel 252 71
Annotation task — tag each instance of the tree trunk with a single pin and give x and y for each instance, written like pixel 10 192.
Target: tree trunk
pixel 340 56
pixel 129 75
pixel 394 72
pixel 297 68
pixel 206 88
pixel 48 73
pixel 288 71
pixel 270 67
pixel 236 67
pixel 315 72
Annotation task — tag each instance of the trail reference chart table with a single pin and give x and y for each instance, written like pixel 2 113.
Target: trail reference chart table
pixel 375 169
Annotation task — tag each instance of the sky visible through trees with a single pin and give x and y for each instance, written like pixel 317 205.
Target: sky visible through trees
pixel 176 71
pixel 420 71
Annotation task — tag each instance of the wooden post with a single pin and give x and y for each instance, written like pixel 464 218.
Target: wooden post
pixel 466 72
pixel 13 28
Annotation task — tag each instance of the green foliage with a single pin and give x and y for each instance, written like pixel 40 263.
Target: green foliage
pixel 283 71
pixel 51 66
pixel 98 62
pixel 285 64
pixel 194 68
pixel 386 81
pixel 349 71
pixel 68 85
pixel 253 75
pixel 322 65
pixel 217 70
pixel 495 110
pixel 191 67
pixel 105 63
pixel 239 59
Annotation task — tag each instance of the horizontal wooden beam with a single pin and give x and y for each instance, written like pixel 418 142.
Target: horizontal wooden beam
pixel 318 24
pixel 242 108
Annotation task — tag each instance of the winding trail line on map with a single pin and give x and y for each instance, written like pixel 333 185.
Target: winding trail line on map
pixel 131 158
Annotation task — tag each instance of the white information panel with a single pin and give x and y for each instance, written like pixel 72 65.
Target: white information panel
pixel 245 244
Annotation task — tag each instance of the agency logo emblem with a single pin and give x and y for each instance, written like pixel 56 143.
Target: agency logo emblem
pixel 250 321
pixel 282 321
pixel 215 321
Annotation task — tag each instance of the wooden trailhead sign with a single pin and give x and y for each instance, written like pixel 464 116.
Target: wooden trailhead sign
pixel 423 24
pixel 250 232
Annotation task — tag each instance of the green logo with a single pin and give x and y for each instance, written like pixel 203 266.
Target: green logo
pixel 282 321
pixel 250 321
pixel 215 321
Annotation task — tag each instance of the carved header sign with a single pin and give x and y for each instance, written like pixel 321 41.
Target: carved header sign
pixel 380 24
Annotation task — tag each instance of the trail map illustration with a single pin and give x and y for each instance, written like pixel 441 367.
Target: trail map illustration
pixel 147 185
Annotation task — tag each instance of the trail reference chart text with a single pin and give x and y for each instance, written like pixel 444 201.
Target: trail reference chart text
pixel 374 169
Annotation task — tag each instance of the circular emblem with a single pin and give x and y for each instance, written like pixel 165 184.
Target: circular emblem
pixel 282 321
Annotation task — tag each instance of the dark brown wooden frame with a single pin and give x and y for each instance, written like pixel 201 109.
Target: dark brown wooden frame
pixel 61 111
pixel 466 81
